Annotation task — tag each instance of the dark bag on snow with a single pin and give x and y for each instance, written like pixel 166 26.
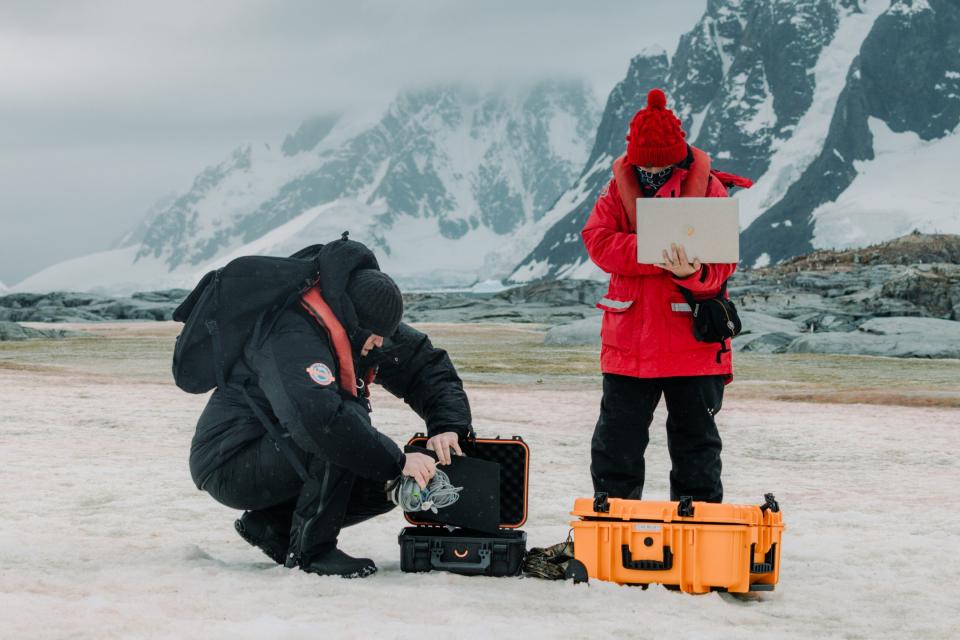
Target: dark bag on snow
pixel 714 319
pixel 221 311
pixel 550 563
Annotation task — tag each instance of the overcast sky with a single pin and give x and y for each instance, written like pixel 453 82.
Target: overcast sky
pixel 105 106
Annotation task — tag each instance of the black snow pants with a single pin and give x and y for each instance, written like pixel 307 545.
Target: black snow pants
pixel 623 432
pixel 288 371
pixel 260 478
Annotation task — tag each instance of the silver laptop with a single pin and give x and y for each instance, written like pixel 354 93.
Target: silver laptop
pixel 708 228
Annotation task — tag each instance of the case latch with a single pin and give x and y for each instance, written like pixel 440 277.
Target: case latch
pixel 770 503
pixel 685 507
pixel 600 502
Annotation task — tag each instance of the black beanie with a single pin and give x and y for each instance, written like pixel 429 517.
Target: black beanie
pixel 377 301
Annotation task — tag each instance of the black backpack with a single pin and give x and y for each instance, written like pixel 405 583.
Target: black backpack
pixel 222 310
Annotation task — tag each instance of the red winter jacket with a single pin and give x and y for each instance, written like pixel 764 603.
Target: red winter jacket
pixel 647 329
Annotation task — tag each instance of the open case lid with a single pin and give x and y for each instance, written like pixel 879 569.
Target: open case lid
pixel 602 508
pixel 513 456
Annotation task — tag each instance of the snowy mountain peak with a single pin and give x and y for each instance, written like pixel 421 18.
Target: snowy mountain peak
pixel 909 7
pixel 820 102
pixel 310 133
pixel 182 232
pixel 465 159
pixel 554 249
pixel 896 113
pixel 435 183
pixel 652 51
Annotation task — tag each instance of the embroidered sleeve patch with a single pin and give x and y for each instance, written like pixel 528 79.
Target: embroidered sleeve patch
pixel 320 373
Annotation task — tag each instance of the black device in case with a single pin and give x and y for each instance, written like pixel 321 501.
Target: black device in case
pixel 428 546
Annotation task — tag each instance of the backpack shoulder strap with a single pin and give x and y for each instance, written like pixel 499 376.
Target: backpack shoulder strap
pixel 314 303
pixel 695 183
pixel 280 440
pixel 629 188
pixel 688 296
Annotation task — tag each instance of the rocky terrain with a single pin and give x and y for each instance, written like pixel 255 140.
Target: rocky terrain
pixel 551 302
pixel 63 306
pixel 14 332
pixel 900 298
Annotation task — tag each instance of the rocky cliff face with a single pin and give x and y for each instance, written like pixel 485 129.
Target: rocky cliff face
pixel 792 95
pixel 740 81
pixel 741 78
pixel 559 251
pixel 906 78
pixel 309 134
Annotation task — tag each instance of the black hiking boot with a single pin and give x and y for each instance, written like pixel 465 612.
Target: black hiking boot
pixel 337 563
pixel 316 522
pixel 265 531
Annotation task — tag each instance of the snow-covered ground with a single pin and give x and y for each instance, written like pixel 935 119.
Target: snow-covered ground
pixel 102 533
pixel 872 208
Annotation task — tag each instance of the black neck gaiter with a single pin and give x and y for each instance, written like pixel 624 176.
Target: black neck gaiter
pixel 651 182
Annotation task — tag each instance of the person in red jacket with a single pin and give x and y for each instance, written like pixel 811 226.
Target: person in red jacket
pixel 648 347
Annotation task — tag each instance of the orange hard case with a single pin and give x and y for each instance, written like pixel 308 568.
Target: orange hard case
pixel 696 546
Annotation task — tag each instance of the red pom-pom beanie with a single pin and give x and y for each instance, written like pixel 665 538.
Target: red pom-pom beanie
pixel 656 138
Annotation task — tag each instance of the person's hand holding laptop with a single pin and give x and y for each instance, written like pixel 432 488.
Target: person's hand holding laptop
pixel 696 230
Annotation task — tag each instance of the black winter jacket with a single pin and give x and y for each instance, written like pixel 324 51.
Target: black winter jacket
pixel 321 419
pixel 290 371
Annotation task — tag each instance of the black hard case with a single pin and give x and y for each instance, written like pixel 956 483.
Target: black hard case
pixel 428 547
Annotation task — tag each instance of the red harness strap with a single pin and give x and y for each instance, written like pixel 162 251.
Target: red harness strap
pixel 313 302
pixel 694 183
pixel 368 380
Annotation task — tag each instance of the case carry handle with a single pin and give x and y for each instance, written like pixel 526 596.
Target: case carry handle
pixel 481 565
pixel 769 560
pixel 646 565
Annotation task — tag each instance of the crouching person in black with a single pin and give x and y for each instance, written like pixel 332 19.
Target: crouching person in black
pixel 305 369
